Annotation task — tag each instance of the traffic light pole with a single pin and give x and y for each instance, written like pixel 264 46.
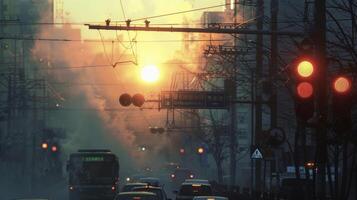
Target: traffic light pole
pixel 319 36
pixel 258 97
pixel 218 30
pixel 274 9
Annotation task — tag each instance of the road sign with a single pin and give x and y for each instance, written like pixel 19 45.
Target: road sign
pixel 193 100
pixel 257 154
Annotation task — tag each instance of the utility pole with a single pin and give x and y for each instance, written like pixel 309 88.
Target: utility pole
pixel 233 110
pixel 319 36
pixel 274 7
pixel 258 97
pixel 273 66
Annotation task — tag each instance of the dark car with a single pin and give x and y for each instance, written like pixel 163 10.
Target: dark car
pixel 189 190
pixel 293 188
pixel 180 175
pixel 136 196
pixel 151 181
pixel 160 193
pixel 130 186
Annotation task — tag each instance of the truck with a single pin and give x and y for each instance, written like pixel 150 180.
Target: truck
pixel 93 174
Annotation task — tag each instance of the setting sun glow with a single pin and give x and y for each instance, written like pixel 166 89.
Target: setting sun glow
pixel 150 73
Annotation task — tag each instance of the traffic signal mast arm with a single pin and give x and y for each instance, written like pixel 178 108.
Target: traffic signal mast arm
pixel 218 30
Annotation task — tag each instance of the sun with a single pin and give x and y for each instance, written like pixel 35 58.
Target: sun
pixel 150 73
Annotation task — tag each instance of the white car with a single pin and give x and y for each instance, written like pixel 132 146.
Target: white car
pixel 210 198
pixel 160 193
pixel 190 190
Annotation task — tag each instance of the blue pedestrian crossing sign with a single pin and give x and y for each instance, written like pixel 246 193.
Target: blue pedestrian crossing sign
pixel 257 154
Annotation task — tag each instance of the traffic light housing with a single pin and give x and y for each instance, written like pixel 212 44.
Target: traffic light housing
pixel 342 103
pixel 305 73
pixel 126 100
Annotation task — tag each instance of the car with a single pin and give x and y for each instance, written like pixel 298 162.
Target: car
pixel 197 181
pixel 209 198
pixel 189 190
pixel 31 199
pixel 160 193
pixel 135 178
pixel 151 181
pixel 129 186
pixel 180 175
pixel 136 196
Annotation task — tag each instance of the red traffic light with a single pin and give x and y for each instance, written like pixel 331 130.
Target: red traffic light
pixel 342 85
pixel 138 100
pixel 305 90
pixel 182 151
pixel 54 149
pixel 305 68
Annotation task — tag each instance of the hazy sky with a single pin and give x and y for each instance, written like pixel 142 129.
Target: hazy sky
pixel 148 53
pixel 98 10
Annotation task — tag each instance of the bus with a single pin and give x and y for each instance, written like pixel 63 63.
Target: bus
pixel 93 173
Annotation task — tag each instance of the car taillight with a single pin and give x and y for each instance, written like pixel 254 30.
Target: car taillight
pixel 173 176
pixel 113 188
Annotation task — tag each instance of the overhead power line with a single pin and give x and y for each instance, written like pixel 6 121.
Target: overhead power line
pixel 111 66
pixel 106 41
pixel 186 11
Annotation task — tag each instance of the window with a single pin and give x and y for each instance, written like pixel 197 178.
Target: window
pixel 242 133
pixel 242 117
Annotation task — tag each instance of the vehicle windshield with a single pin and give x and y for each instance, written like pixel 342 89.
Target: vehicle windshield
pixel 158 192
pixel 192 190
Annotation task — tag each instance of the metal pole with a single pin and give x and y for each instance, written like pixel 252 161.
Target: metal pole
pixel 273 61
pixel 252 111
pixel 233 139
pixel 319 36
pixel 258 107
pixel 274 9
pixel 218 30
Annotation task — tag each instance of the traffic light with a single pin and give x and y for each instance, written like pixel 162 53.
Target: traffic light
pixel 126 100
pixel 182 151
pixel 54 148
pixel 156 129
pixel 304 73
pixel 200 150
pixel 138 100
pixel 44 145
pixel 342 103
